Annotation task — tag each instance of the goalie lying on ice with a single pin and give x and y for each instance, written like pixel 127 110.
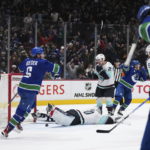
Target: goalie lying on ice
pixel 78 117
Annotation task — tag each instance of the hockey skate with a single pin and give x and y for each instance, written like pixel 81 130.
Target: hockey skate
pixel 110 111
pixel 113 111
pixel 99 109
pixel 18 128
pixel 4 134
pixel 120 112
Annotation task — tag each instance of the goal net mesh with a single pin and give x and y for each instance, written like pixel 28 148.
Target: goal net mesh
pixel 4 100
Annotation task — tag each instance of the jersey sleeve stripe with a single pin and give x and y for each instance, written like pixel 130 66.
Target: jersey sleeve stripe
pixel 128 85
pixel 56 68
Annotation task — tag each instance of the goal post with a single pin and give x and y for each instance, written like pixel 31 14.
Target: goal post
pixel 4 94
pixel 8 88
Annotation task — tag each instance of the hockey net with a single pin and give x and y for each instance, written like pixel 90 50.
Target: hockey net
pixel 8 88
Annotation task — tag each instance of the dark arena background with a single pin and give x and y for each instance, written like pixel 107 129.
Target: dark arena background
pixel 72 33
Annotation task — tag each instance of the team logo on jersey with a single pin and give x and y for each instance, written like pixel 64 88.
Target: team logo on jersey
pixel 135 78
pixel 88 86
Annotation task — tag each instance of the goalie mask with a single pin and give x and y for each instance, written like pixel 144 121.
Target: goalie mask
pixel 147 50
pixel 100 58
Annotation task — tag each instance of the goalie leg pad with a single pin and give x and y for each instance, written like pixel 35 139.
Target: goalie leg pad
pixel 62 118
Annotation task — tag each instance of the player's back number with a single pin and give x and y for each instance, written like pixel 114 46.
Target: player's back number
pixel 28 72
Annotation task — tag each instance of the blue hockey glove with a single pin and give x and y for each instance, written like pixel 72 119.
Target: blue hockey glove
pixel 142 13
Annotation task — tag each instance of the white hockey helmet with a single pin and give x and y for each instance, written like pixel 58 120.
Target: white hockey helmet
pixel 100 57
pixel 147 50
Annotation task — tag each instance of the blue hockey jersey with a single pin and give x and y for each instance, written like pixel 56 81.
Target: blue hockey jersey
pixel 33 73
pixel 132 76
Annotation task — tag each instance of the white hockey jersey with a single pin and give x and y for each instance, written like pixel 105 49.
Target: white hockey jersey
pixel 106 83
pixel 92 117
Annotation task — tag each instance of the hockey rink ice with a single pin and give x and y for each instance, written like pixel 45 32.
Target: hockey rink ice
pixel 127 136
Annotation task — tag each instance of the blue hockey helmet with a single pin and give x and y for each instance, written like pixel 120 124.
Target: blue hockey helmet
pixel 37 50
pixel 143 11
pixel 135 62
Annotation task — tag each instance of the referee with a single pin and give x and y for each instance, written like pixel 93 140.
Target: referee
pixel 117 71
pixel 118 74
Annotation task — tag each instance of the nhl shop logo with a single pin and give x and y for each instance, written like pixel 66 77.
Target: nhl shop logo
pixel 88 86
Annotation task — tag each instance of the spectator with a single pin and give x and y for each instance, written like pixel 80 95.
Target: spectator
pixel 14 69
pixel 89 71
pixel 72 70
pixel 28 22
pixel 82 16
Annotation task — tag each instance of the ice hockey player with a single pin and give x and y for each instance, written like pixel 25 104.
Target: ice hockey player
pixel 105 87
pixel 144 31
pixel 118 74
pixel 145 141
pixel 78 117
pixel 33 70
pixel 133 73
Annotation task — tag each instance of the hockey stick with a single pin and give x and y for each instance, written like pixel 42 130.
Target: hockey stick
pixel 108 131
pixel 131 52
pixel 12 99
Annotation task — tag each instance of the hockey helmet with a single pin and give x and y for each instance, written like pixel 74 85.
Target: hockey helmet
pixel 143 11
pixel 100 57
pixel 134 63
pixel 147 50
pixel 37 50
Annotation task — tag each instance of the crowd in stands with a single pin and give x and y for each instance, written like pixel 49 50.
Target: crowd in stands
pixel 81 17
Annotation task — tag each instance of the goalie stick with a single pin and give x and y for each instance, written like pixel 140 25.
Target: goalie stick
pixel 108 131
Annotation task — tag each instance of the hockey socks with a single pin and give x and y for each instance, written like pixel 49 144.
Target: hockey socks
pixel 99 105
pixel 109 105
pixel 15 121
pixel 115 103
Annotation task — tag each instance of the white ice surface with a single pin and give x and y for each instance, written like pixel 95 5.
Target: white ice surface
pixel 126 136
